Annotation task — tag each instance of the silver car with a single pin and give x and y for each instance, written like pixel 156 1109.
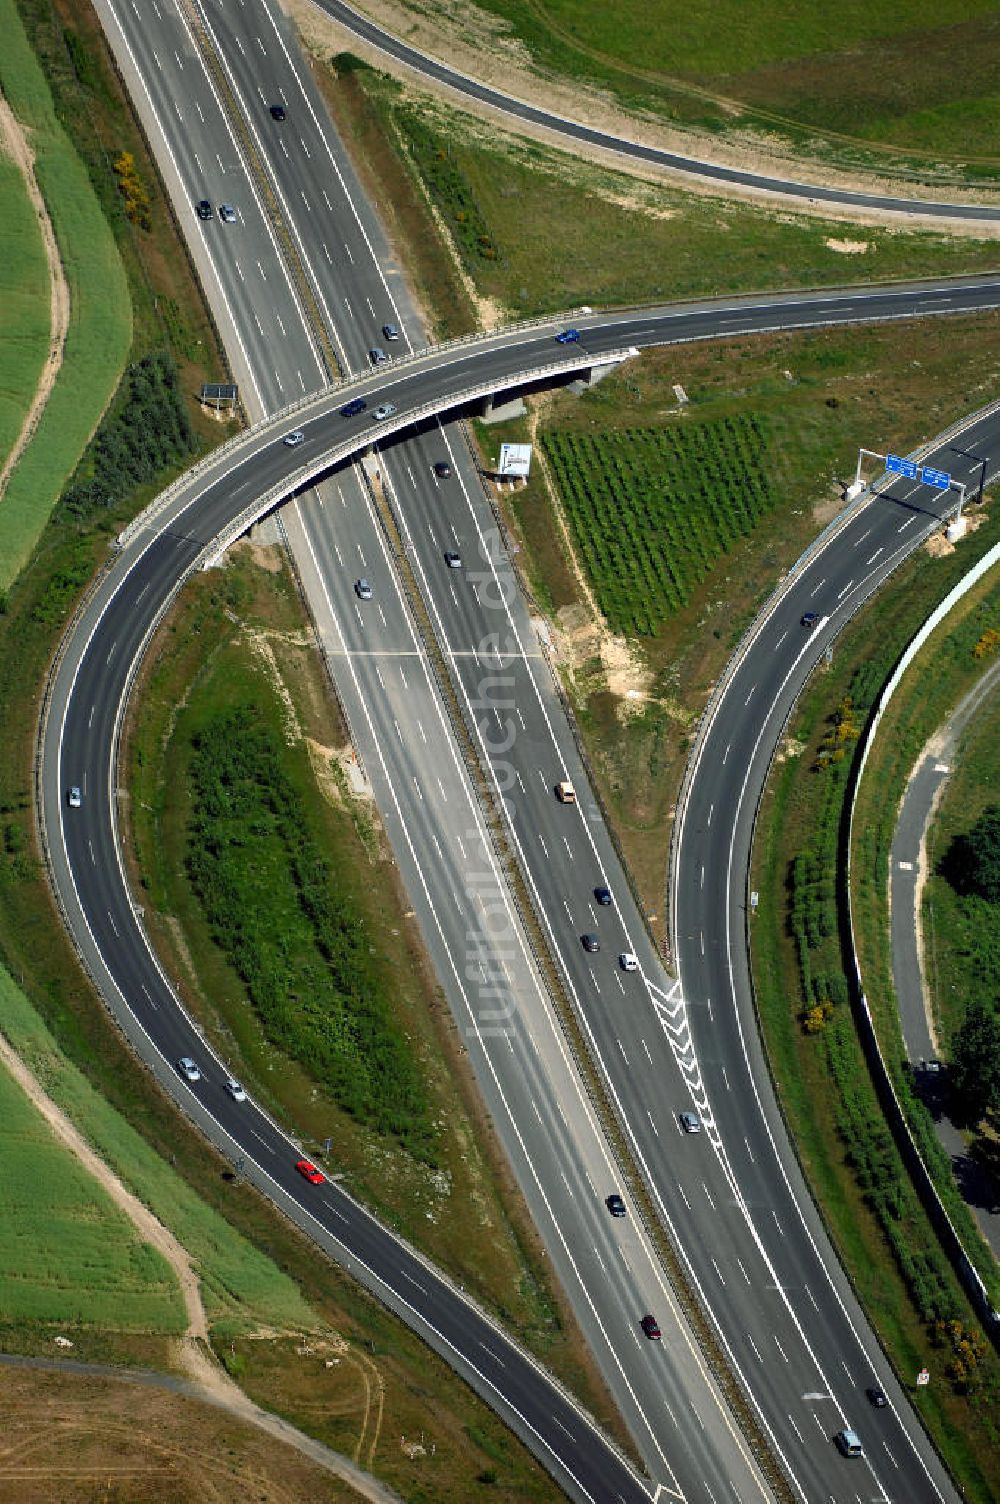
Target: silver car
pixel 293 440
pixel 188 1069
pixel 384 410
pixel 363 590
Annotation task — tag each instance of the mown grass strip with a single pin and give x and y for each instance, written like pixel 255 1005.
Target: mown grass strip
pixel 100 326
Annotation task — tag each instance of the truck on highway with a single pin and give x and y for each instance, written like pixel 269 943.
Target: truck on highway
pixel 565 792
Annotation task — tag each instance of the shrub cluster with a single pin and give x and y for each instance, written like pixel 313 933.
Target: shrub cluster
pixel 452 196
pixel 293 933
pixel 145 431
pixel 133 190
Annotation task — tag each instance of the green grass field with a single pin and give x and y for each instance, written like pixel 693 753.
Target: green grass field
pixel 537 231
pixel 241 1288
pixel 67 1253
pixel 100 328
pixel 24 301
pixel 861 70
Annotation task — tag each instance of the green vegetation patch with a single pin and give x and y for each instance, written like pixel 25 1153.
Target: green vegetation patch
pixel 865 76
pixel 24 301
pixel 904 1281
pixel 291 931
pixel 67 1253
pixel 240 1286
pixel 100 327
pixel 538 231
pixel 147 430
pixel 653 509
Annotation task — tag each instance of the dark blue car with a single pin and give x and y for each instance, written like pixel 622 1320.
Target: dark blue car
pixel 568 337
pixel 352 408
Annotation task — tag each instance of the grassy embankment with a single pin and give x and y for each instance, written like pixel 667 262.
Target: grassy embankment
pixel 960 932
pixel 384 1361
pixel 100 325
pixel 531 230
pixel 848 1154
pixel 852 91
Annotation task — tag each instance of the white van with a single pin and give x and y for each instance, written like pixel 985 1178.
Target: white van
pixel 849 1442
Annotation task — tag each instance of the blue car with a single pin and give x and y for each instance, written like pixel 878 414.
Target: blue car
pixel 352 408
pixel 568 337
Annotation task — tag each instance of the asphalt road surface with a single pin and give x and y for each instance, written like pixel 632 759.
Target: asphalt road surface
pixel 573 131
pixel 482 625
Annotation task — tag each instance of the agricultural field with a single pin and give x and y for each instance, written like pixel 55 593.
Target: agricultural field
pixel 860 79
pixel 67 1253
pixel 24 298
pixel 100 323
pixel 652 510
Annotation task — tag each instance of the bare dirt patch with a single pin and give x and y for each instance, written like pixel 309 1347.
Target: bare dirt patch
pixel 14 144
pixel 849 247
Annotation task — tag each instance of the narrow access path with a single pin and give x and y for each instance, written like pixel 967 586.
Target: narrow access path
pixel 14 143
pixel 907 876
pixel 209 1381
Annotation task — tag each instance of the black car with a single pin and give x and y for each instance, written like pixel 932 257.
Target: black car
pixel 352 408
pixel 615 1205
pixel 590 942
pixel 603 896
pixel 277 112
pixel 205 210
pixel 442 470
pixel 876 1396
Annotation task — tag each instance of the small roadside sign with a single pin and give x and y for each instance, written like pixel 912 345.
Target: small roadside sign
pixel 896 465
pixel 939 478
pixel 923 1378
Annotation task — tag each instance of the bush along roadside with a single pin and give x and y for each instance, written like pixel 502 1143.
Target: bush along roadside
pixel 801 965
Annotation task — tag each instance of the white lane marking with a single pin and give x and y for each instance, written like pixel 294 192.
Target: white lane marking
pixel 655 1130
pixel 779 1346
pixel 755 1347
pixel 872 557
pixel 709 1195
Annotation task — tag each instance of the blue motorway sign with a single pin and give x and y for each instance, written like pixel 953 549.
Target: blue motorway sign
pixel 939 478
pixel 896 465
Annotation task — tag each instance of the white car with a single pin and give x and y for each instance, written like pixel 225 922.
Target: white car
pixel 235 1090
pixel 293 440
pixel 227 214
pixel 188 1069
pixel 628 962
pixel 385 410
pixel 74 798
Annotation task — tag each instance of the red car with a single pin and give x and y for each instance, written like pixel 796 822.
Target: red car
pixel 314 1176
pixel 651 1327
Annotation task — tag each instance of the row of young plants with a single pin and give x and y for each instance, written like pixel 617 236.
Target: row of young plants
pixel 653 509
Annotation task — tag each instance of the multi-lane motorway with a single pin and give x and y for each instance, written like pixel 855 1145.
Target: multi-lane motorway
pixel 640 1029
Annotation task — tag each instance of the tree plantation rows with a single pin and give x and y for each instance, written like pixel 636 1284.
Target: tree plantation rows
pixel 653 509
